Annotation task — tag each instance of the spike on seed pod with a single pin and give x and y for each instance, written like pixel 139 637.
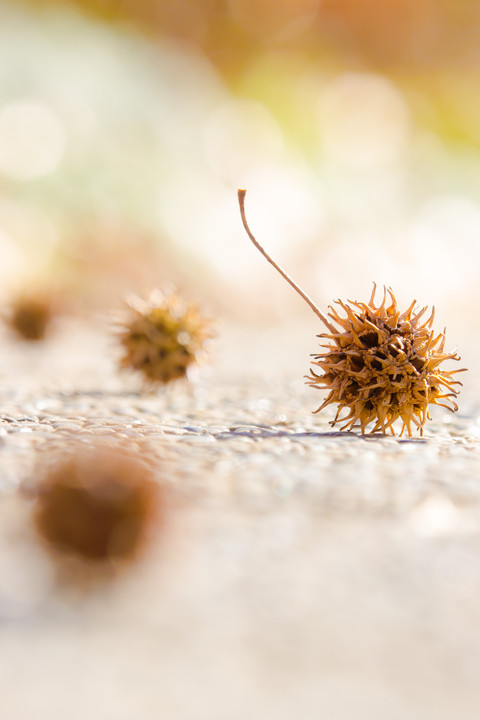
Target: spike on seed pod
pixel 162 335
pixel 380 364
pixel 97 506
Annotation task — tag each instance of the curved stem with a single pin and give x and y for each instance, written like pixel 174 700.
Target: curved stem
pixel 241 202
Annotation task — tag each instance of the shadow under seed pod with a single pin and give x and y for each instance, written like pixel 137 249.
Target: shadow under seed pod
pixel 381 365
pixel 98 506
pixel 162 335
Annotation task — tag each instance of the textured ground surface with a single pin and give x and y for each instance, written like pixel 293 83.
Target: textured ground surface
pixel 303 572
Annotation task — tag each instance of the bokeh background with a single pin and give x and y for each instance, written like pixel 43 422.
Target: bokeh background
pixel 127 126
pixel 304 574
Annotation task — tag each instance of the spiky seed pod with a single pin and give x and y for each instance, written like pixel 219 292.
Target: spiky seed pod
pixel 380 365
pixel 30 316
pixel 96 505
pixel 162 336
pixel 383 365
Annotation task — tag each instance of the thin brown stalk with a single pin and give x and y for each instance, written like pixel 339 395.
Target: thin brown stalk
pixel 316 310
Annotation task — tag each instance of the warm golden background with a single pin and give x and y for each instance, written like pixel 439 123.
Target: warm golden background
pixel 126 127
pixel 298 572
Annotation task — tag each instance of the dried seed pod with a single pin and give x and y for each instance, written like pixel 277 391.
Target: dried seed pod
pixel 380 365
pixel 30 315
pixel 162 336
pixel 97 505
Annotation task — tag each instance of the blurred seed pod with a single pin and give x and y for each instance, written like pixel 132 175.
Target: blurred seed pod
pixel 97 506
pixel 162 336
pixel 30 315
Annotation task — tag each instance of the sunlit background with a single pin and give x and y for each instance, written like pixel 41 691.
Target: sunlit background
pixel 127 127
pixel 300 570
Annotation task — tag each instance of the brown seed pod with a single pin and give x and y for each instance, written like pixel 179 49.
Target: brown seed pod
pixel 380 365
pixel 97 505
pixel 30 315
pixel 162 336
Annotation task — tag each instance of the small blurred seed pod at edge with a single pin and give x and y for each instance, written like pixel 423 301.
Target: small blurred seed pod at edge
pixel 30 315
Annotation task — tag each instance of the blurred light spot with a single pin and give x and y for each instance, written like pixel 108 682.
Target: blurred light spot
pixel 436 516
pixel 283 486
pixel 32 140
pixel 352 263
pixel 28 240
pixel 199 215
pixel 11 257
pixel 80 121
pixel 442 245
pixel 364 121
pixel 240 136
pixel 286 208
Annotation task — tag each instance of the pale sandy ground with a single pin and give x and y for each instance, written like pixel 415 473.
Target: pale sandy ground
pixel 303 574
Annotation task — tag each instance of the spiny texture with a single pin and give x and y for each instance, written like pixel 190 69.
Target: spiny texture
pixel 162 336
pixel 383 365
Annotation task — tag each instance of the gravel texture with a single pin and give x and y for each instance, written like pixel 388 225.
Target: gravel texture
pixel 302 572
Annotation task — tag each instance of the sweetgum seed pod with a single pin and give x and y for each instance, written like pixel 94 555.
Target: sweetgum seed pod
pixel 380 365
pixel 162 335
